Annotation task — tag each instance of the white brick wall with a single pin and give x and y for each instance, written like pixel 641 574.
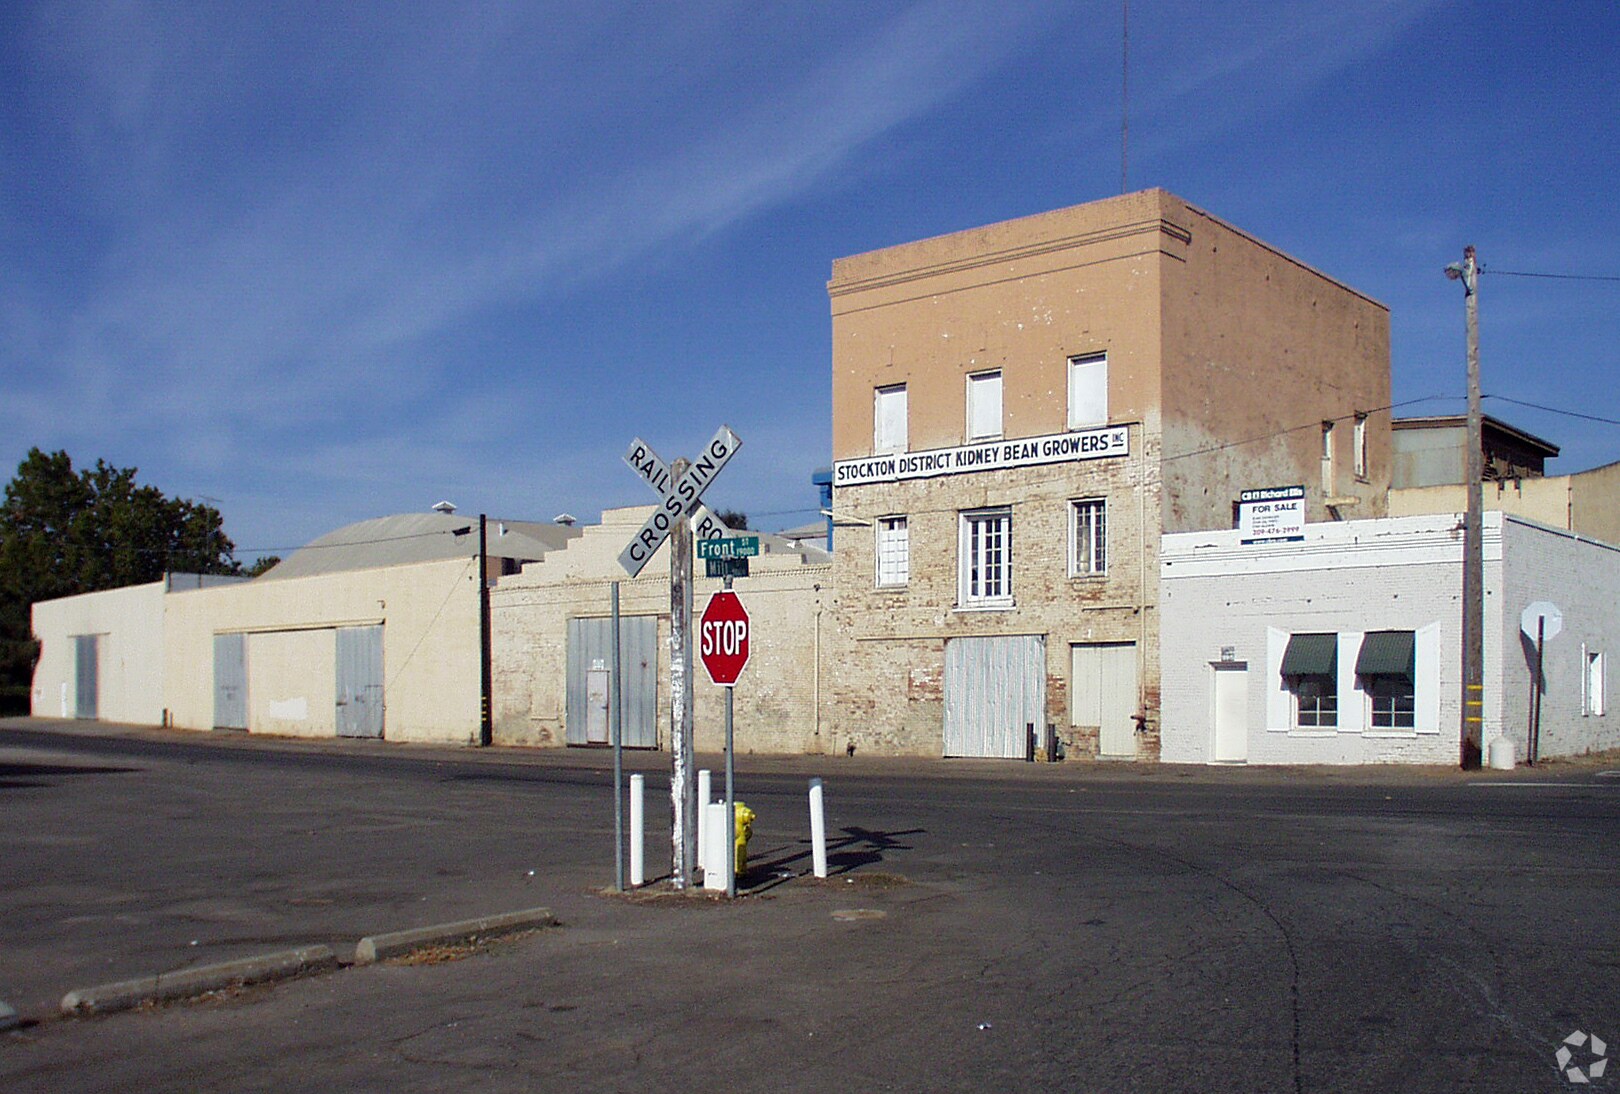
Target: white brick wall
pixel 1347 578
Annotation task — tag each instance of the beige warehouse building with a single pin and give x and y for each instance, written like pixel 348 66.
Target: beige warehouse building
pixel 1020 411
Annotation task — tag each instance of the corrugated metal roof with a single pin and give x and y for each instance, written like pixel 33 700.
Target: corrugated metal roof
pixel 417 537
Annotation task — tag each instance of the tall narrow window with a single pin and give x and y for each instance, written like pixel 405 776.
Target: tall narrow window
pixel 889 419
pixel 1089 537
pixel 1328 479
pixel 1088 391
pixel 1596 700
pixel 893 551
pixel 983 406
pixel 986 559
pixel 1361 446
pixel 1310 670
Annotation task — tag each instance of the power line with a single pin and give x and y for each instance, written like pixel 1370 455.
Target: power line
pixel 1556 410
pixel 1556 276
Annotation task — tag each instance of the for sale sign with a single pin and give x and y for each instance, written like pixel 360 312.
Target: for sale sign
pixel 1274 514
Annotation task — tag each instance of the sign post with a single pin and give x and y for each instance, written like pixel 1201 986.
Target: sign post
pixel 1547 621
pixel 680 514
pixel 723 645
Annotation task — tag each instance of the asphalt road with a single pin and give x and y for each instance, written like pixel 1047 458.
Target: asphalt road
pixel 988 926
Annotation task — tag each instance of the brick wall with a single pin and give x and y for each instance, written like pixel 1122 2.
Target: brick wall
pixel 776 697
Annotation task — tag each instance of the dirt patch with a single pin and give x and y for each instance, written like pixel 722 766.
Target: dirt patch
pixel 456 951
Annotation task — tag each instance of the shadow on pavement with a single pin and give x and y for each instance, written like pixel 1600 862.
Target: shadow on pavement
pixel 25 776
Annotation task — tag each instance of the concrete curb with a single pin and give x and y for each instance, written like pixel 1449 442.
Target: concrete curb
pixel 376 947
pixel 106 998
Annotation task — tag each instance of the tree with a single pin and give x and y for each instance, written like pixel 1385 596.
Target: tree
pixel 63 533
pixel 734 519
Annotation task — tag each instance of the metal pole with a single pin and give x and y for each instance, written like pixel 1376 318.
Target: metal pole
pixel 682 791
pixel 1535 690
pixel 615 727
pixel 731 797
pixel 1473 583
pixel 486 675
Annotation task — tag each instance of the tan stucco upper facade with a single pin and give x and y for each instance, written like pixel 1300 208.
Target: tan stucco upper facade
pixel 1231 351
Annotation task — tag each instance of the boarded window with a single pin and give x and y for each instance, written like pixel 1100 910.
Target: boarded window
pixel 984 406
pixel 889 419
pixel 1088 391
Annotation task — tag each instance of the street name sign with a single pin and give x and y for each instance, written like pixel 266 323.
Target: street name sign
pixel 729 547
pixel 678 498
pixel 723 638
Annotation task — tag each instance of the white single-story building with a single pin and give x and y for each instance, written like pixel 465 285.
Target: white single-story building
pixel 101 654
pixel 1344 647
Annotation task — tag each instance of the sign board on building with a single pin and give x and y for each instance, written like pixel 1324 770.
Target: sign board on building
pixel 1089 444
pixel 1273 514
pixel 723 638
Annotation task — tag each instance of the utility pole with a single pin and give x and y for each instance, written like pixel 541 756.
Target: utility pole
pixel 486 675
pixel 683 801
pixel 1473 583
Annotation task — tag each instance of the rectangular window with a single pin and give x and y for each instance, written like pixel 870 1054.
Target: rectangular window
pixel 893 551
pixel 1387 666
pixel 1596 700
pixel 986 559
pixel 1088 391
pixel 1328 478
pixel 889 419
pixel 1310 670
pixel 1088 532
pixel 1361 446
pixel 983 406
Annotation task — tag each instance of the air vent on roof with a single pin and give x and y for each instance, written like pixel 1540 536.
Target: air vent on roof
pixel 445 507
pixel 565 519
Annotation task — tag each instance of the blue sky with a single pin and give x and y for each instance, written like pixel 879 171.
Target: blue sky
pixel 319 262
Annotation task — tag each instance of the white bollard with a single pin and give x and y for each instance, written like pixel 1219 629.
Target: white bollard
pixel 638 821
pixel 718 876
pixel 818 830
pixel 704 783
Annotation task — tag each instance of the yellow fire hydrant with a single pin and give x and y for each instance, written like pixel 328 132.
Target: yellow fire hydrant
pixel 744 830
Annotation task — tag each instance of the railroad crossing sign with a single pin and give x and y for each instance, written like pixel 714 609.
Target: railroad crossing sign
pixel 678 498
pixel 723 638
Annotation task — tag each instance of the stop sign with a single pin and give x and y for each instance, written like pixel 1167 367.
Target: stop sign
pixel 723 638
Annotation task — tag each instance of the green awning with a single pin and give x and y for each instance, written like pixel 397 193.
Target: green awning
pixel 1386 653
pixel 1311 655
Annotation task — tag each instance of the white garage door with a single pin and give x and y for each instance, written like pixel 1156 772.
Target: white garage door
pixel 995 688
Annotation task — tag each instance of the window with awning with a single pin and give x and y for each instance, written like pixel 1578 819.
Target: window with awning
pixel 1387 665
pixel 1310 667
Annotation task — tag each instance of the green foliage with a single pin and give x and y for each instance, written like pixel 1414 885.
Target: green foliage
pixel 64 532
pixel 263 565
pixel 734 519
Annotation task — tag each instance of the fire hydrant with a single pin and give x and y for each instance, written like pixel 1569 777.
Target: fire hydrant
pixel 744 830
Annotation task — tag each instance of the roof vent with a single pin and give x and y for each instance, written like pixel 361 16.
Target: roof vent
pixel 445 507
pixel 567 520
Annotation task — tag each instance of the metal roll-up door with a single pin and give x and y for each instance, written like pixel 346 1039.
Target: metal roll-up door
pixel 230 682
pixel 591 641
pixel 86 675
pixel 360 681
pixel 995 688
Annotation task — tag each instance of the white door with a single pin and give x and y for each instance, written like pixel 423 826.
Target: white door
pixel 1231 714
pixel 1102 689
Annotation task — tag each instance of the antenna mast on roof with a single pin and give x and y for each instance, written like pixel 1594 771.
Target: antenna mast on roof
pixel 1124 91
